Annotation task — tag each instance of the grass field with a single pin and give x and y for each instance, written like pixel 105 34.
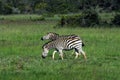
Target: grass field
pixel 20 53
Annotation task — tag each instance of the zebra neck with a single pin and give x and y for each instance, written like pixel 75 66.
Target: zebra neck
pixel 50 46
pixel 57 36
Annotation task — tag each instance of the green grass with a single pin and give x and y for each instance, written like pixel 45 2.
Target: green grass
pixel 19 17
pixel 27 17
pixel 20 53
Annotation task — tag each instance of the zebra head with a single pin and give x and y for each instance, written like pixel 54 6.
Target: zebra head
pixel 45 52
pixel 51 36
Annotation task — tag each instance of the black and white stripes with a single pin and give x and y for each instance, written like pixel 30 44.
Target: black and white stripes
pixel 71 43
pixel 64 43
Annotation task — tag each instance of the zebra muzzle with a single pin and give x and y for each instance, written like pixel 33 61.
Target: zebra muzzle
pixel 41 38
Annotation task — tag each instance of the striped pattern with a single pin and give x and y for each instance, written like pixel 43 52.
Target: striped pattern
pixel 64 43
pixel 53 36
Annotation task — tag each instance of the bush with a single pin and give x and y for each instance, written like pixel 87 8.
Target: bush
pixel 70 20
pixel 86 19
pixel 90 18
pixel 116 19
pixel 41 18
pixel 7 9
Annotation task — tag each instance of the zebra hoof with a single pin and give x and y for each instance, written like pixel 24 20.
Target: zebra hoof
pixel 43 57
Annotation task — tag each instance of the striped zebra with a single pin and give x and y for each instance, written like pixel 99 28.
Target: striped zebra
pixel 53 36
pixel 63 43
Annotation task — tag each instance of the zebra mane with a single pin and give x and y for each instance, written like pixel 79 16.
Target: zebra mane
pixel 70 36
pixel 54 36
pixel 54 33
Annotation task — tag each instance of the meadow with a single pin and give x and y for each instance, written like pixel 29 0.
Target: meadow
pixel 21 49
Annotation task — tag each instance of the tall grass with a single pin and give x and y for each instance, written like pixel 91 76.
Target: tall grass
pixel 21 17
pixel 20 53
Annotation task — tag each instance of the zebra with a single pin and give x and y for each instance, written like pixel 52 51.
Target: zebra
pixel 53 36
pixel 64 43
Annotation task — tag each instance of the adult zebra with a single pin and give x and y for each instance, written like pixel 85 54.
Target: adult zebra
pixel 64 43
pixel 53 36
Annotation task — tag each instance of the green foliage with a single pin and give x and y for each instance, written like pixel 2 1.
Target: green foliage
pixel 87 18
pixel 7 9
pixel 116 19
pixel 41 18
pixel 56 6
pixel 22 18
pixel 1 8
pixel 40 7
pixel 71 19
pixel 90 18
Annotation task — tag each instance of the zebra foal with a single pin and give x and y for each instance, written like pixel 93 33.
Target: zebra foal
pixel 64 43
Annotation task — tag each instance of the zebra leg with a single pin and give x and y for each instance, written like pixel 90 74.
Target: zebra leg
pixel 72 52
pixel 53 55
pixel 83 53
pixel 61 54
pixel 76 53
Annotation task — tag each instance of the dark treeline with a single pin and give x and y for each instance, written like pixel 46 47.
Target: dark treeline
pixel 55 6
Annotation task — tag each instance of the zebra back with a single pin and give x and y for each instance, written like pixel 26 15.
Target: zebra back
pixel 63 42
pixel 53 36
